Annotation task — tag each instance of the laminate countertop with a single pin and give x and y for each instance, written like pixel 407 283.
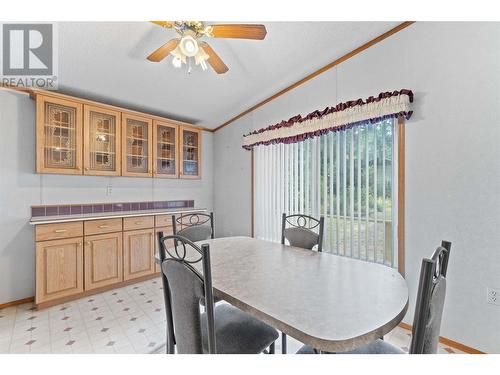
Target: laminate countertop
pixel 111 215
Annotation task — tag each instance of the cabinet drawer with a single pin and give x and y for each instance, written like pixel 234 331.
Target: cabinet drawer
pixel 163 221
pixel 102 226
pixel 138 222
pixel 44 232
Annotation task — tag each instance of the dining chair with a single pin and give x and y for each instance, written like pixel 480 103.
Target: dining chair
pixel 194 226
pixel 428 310
pixel 298 230
pixel 221 329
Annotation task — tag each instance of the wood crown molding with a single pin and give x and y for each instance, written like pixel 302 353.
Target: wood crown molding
pixel 319 71
pixel 33 92
pixel 450 343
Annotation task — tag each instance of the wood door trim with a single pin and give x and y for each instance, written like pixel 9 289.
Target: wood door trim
pixel 401 195
pixel 87 108
pixel 316 73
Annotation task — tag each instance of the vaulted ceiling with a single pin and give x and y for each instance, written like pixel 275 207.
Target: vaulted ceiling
pixel 107 62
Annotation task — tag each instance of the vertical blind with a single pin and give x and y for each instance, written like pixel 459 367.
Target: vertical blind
pixel 348 176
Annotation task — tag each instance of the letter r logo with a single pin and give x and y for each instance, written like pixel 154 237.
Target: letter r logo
pixel 27 49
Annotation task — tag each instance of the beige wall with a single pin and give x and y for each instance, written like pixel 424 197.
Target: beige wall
pixel 452 157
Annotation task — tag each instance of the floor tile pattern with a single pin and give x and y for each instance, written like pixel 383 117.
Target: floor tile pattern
pixel 125 320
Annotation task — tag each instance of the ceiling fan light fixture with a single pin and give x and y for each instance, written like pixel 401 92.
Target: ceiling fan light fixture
pixel 176 62
pixel 189 46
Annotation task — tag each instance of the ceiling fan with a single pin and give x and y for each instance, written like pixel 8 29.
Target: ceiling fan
pixel 189 45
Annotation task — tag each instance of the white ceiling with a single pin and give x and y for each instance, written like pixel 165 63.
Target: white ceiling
pixel 107 62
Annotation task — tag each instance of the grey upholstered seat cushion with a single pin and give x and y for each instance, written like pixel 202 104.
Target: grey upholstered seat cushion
pixel 301 237
pixel 306 349
pixel 434 315
pixel 375 347
pixel 236 332
pixel 196 232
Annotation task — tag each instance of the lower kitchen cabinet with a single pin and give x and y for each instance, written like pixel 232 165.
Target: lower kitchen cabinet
pixel 138 253
pixel 59 269
pixel 103 260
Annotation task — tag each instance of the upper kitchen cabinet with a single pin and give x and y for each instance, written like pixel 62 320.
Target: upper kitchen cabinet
pixel 136 145
pixel 102 142
pixel 190 152
pixel 58 135
pixel 165 150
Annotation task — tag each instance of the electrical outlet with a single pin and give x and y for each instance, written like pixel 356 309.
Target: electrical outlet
pixel 109 190
pixel 493 296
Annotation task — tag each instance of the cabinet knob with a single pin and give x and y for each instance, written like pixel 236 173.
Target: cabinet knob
pixel 87 168
pixel 60 230
pixel 88 243
pixel 138 222
pixel 103 226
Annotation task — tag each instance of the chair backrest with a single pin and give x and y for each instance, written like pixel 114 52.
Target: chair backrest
pixel 188 283
pixel 300 232
pixel 430 301
pixel 194 226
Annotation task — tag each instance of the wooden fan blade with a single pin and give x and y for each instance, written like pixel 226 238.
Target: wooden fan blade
pixel 240 31
pixel 164 23
pixel 163 51
pixel 214 60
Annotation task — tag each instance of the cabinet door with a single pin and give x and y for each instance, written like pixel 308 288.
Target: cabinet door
pixel 59 269
pixel 102 142
pixel 103 256
pixel 170 243
pixel 58 136
pixel 136 146
pixel 165 162
pixel 138 253
pixel 190 140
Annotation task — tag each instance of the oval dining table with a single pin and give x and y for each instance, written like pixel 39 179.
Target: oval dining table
pixel 330 302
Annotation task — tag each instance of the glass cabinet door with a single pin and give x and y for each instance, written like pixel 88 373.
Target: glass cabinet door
pixel 190 152
pixel 101 141
pixel 59 136
pixel 165 150
pixel 136 145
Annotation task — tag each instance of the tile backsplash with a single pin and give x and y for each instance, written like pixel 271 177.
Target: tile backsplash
pixel 78 209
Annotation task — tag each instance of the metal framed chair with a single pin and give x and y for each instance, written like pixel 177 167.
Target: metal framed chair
pixel 221 329
pixel 298 230
pixel 428 310
pixel 194 226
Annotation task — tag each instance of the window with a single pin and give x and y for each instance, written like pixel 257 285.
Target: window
pixel 349 177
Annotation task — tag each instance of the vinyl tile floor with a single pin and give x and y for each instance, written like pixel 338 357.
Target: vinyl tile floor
pixel 126 320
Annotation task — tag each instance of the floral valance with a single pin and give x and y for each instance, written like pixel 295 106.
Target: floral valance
pixel 342 116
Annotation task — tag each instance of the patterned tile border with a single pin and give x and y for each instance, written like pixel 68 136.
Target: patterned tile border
pixel 78 209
